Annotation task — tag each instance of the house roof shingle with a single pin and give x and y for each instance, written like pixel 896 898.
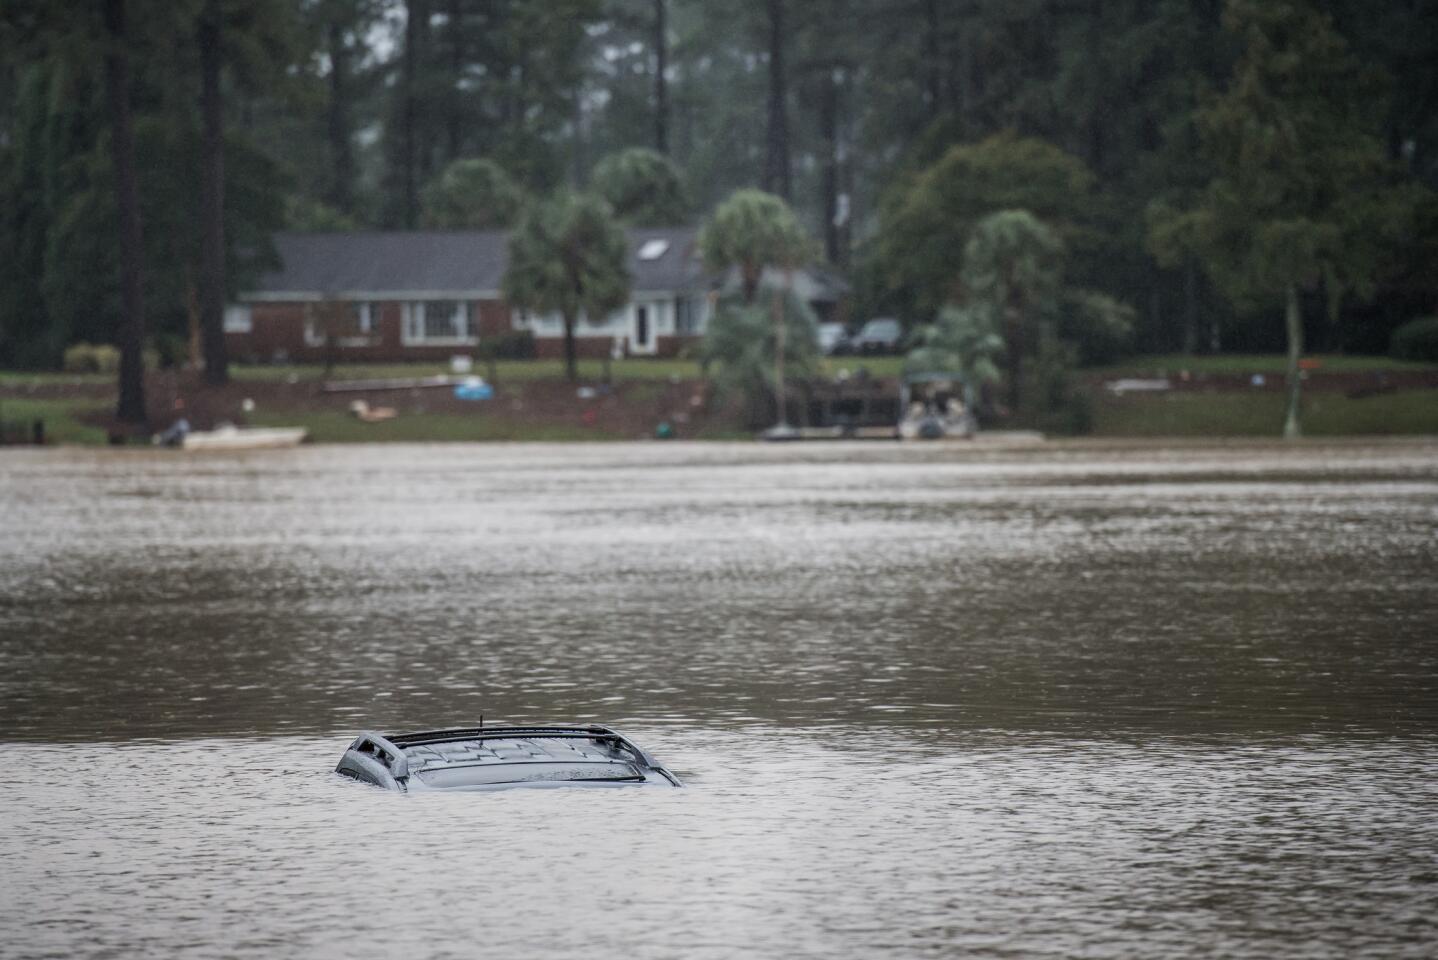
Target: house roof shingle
pixel 444 261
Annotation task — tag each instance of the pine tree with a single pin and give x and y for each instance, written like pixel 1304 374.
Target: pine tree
pixel 1298 190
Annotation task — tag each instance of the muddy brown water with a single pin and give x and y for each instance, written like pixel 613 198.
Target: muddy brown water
pixel 1083 700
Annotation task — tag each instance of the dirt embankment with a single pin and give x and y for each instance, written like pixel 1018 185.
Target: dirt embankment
pixel 632 408
pixel 1355 383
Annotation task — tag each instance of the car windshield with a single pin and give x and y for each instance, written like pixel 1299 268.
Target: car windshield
pixel 481 774
pixel 881 328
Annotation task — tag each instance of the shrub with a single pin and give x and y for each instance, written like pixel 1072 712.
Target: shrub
pixel 518 345
pixel 91 358
pixel 1416 340
pixel 1051 401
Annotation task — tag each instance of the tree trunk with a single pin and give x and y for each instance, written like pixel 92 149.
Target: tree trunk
pixel 212 199
pixel 933 62
pixel 571 360
pixel 1292 429
pixel 776 309
pixel 829 132
pixel 131 407
pixel 776 158
pixel 342 164
pixel 1016 344
pixel 454 123
pixel 409 116
pixel 661 83
pixel 749 277
pixel 1190 306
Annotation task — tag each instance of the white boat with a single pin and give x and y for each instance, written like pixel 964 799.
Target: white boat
pixel 243 438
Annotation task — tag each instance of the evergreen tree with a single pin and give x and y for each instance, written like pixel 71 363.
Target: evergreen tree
pixel 643 187
pixel 475 194
pixel 925 226
pixel 1298 185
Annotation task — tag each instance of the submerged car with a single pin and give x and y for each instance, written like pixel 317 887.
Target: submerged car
pixel 496 758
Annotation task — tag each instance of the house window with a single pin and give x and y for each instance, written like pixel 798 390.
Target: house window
pixel 238 319
pixel 437 321
pixel 343 323
pixel 686 316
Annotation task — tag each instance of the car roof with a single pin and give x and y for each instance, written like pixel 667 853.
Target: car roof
pixel 427 757
pixel 492 755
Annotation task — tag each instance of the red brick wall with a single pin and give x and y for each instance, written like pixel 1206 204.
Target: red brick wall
pixel 493 319
pixel 278 333
pixel 672 346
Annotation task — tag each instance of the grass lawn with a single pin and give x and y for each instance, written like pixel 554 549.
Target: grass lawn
pixel 1243 364
pixel 663 369
pixel 505 370
pixel 23 378
pixel 521 370
pixel 60 416
pixel 1261 414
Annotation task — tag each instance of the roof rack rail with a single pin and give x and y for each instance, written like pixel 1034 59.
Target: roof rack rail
pixel 376 748
pixel 593 731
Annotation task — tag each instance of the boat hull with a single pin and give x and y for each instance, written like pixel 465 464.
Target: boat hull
pixel 256 438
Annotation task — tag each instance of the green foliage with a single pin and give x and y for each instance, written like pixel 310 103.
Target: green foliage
pixel 644 188
pixel 740 345
pixel 528 58
pixel 964 340
pixel 514 345
pixel 1298 190
pixel 91 358
pixel 568 256
pixel 59 256
pixel 1416 340
pixel 1099 327
pixel 1051 401
pixel 1015 305
pixel 1013 271
pixel 1300 187
pixel 753 230
pixel 308 215
pixel 929 220
pixel 1014 261
pixel 472 193
pixel 942 113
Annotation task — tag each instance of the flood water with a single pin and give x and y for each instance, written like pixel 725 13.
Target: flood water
pixel 1073 701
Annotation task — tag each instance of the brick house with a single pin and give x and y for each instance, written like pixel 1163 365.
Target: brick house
pixel 429 294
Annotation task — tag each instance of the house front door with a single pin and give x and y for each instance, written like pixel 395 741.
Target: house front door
pixel 641 331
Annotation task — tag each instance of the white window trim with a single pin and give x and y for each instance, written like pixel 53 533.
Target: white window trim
pixel 412 326
pixel 239 318
pixel 366 337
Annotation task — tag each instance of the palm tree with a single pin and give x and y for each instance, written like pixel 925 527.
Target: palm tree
pixel 569 257
pixel 753 230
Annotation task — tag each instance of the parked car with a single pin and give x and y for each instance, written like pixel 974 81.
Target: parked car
pixel 833 339
pixel 881 335
pixel 497 758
